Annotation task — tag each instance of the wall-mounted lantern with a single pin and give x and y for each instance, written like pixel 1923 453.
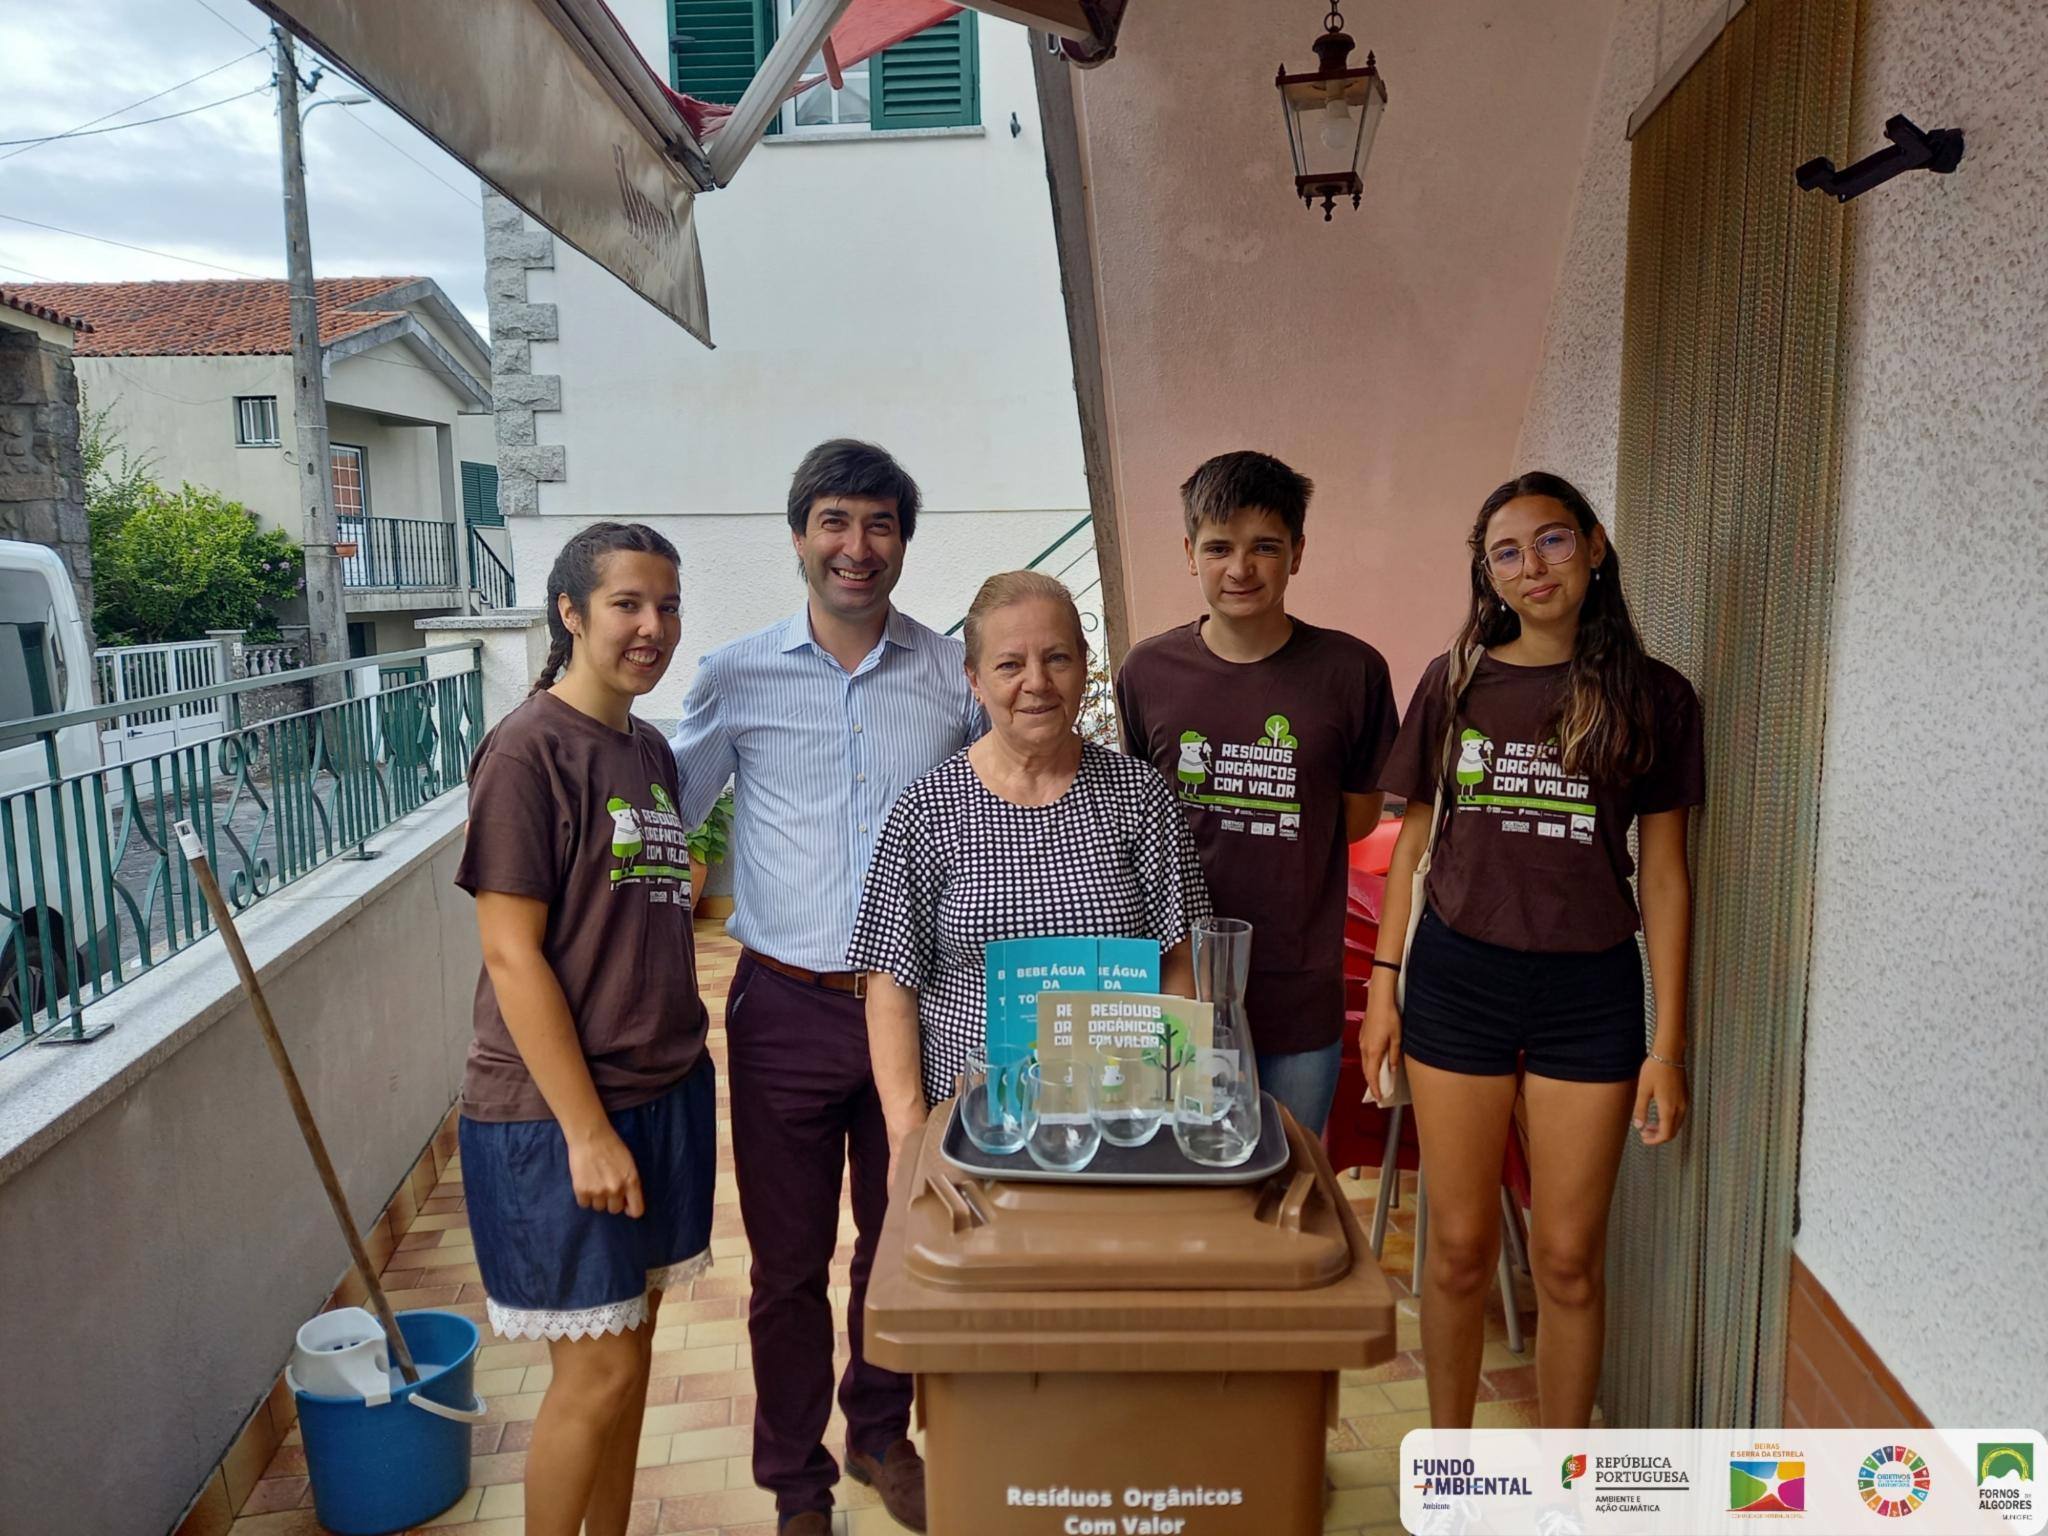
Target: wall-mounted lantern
pixel 1332 115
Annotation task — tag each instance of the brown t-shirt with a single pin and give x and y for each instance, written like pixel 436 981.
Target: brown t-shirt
pixel 1261 755
pixel 1534 858
pixel 567 810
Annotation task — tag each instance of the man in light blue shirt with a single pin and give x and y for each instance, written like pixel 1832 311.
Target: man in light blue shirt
pixel 820 721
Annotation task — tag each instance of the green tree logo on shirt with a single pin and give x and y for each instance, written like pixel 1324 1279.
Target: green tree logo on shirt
pixel 1278 732
pixel 661 799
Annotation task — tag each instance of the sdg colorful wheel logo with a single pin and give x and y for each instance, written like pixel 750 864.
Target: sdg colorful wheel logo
pixel 1894 1481
pixel 1759 1486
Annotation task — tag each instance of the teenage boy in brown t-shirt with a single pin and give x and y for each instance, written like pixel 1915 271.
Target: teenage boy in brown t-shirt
pixel 1274 732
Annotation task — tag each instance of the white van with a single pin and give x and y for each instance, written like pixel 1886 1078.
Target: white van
pixel 45 669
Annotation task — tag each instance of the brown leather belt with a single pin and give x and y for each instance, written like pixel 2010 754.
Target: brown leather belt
pixel 853 983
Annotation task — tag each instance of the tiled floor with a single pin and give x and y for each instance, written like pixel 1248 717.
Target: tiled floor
pixel 694 1468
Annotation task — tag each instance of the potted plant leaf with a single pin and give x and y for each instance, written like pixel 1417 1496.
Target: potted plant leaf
pixel 708 845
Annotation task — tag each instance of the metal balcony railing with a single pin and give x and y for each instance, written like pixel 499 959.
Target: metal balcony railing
pixel 94 891
pixel 397 552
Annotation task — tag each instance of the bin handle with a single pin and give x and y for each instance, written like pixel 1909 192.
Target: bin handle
pixel 961 1213
pixel 442 1410
pixel 1295 1201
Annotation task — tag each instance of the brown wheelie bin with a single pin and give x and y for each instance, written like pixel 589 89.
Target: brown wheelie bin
pixel 1140 1360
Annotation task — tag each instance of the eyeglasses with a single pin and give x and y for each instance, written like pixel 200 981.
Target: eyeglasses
pixel 1553 546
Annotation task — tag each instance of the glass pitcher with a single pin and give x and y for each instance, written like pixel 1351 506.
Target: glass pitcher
pixel 1216 1114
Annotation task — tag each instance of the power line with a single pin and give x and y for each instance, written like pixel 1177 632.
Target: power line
pixel 124 245
pixel 359 122
pixel 82 133
pixel 117 112
pixel 216 15
pixel 24 271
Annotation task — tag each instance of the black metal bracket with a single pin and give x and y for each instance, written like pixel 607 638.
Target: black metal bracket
pixel 1939 150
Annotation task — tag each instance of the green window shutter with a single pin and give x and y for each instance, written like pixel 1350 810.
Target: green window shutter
pixel 480 496
pixel 932 80
pixel 714 46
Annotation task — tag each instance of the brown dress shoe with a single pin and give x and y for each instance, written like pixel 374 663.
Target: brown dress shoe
pixel 811 1522
pixel 898 1477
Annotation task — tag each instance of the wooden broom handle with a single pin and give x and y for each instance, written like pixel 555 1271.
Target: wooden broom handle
pixel 195 855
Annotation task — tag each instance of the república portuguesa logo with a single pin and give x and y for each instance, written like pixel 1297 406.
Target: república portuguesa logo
pixel 1641 1486
pixel 1894 1481
pixel 1767 1481
pixel 2005 1480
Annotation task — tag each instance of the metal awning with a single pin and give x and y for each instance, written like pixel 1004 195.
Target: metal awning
pixel 549 102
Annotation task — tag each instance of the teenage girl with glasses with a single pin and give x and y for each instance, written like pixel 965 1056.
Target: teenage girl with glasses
pixel 1541 736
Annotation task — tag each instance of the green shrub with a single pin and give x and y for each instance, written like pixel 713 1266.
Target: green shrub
pixel 170 565
pixel 711 841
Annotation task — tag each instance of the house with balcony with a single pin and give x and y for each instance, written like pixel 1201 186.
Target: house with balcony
pixel 196 378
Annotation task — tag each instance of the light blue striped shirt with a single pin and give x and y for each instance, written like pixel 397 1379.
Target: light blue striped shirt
pixel 817 756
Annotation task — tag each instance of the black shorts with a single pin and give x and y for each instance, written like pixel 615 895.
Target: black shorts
pixel 1481 1009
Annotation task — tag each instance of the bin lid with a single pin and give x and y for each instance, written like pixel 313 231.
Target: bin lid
pixel 976 1274
pixel 973 1232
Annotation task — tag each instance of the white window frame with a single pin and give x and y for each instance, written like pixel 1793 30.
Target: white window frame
pixel 785 13
pixel 249 411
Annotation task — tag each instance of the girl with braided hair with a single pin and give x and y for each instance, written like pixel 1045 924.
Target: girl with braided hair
pixel 587 1128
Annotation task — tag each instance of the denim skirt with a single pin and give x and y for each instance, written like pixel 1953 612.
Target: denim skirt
pixel 554 1270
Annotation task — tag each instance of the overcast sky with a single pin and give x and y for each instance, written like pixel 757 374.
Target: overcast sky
pixel 206 187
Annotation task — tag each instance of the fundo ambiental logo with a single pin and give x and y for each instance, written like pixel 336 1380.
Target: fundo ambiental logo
pixel 2005 1479
pixel 1767 1481
pixel 1894 1481
pixel 1444 1478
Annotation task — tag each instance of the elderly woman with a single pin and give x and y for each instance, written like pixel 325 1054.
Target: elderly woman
pixel 1029 832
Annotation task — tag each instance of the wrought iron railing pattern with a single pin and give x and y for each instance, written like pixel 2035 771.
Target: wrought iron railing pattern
pixel 95 892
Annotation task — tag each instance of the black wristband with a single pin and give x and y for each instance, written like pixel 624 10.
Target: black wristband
pixel 1387 965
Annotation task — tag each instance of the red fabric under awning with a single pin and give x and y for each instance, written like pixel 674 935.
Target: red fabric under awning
pixel 866 29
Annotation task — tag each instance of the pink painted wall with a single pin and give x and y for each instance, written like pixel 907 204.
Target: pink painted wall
pixel 1388 354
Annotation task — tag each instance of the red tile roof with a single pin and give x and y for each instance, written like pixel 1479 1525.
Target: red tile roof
pixel 230 318
pixel 17 300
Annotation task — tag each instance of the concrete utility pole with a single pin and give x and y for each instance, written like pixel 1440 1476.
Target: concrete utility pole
pixel 325 615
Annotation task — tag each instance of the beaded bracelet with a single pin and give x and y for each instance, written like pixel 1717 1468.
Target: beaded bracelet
pixel 1666 1060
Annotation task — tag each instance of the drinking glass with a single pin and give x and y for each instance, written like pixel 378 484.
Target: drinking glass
pixel 1216 1112
pixel 998 1102
pixel 1066 1135
pixel 1130 1097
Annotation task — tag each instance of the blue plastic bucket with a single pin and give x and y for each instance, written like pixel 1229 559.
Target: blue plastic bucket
pixel 398 1464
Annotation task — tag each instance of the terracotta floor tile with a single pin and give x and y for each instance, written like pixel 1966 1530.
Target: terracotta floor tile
pixel 275 1493
pixel 283 1522
pixel 504 1467
pixel 679 1478
pixel 517 1436
pixel 693 1511
pixel 678 1418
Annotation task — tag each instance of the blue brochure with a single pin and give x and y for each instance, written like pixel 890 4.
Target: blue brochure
pixel 1015 971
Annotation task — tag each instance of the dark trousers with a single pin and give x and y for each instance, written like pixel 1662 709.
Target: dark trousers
pixel 803 1106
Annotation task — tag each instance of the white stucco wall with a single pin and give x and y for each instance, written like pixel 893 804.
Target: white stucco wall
pixel 1923 1143
pixel 179 412
pixel 899 288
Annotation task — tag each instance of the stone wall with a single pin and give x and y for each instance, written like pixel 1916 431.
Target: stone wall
pixel 513 246
pixel 42 482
